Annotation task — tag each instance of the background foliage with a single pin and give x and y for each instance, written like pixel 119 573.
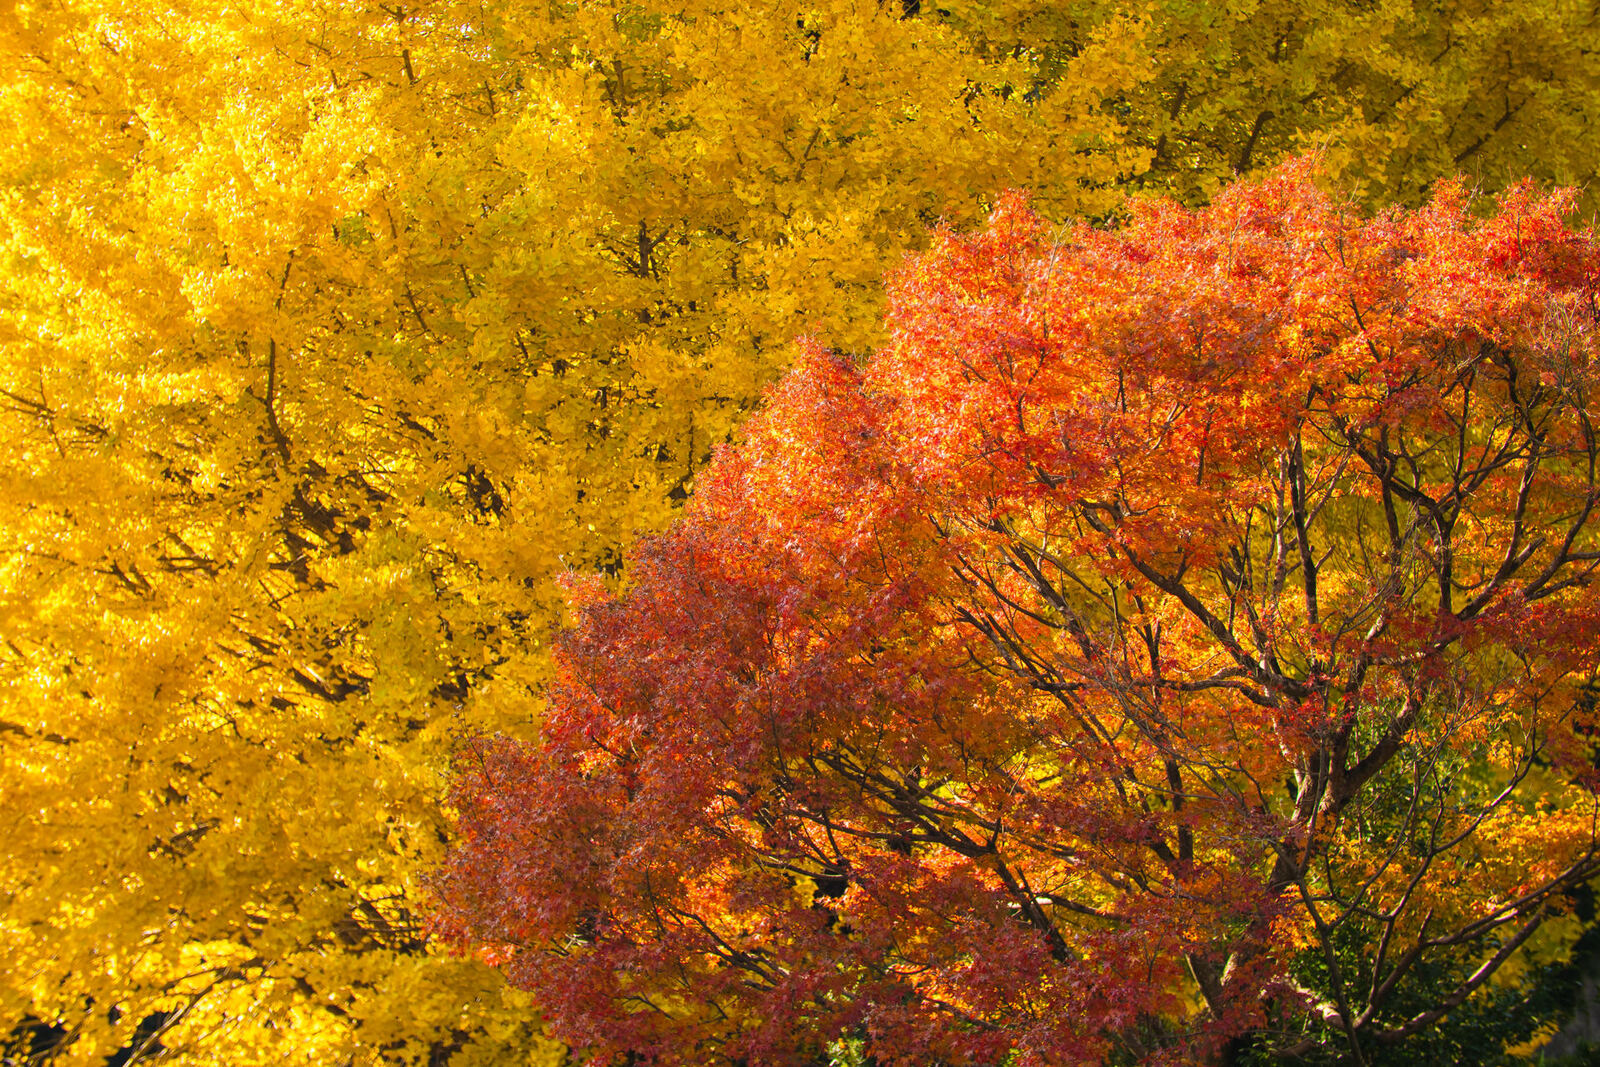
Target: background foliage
pixel 331 333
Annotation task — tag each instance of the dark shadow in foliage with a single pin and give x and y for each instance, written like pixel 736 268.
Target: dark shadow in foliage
pixel 1474 1034
pixel 36 1043
pixel 32 1041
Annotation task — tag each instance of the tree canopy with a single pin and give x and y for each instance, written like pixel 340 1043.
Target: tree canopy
pixel 331 334
pixel 1177 641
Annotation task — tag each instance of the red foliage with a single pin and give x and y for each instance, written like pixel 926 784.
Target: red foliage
pixel 1045 685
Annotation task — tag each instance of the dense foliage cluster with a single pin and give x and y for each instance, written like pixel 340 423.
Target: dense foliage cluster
pixel 1177 639
pixel 331 333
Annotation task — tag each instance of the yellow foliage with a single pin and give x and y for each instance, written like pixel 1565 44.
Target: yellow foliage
pixel 332 334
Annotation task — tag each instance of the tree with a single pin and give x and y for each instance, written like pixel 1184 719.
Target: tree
pixel 332 334
pixel 1401 94
pixel 1178 639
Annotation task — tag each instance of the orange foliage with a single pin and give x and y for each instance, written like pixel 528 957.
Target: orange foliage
pixel 1158 604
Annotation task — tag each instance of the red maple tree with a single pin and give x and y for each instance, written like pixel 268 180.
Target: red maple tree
pixel 1178 631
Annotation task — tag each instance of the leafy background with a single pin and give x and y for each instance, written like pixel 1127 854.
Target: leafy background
pixel 333 334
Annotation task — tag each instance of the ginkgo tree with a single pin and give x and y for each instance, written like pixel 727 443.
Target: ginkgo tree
pixel 331 334
pixel 1177 641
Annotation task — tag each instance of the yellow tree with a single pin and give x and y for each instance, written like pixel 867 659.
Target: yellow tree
pixel 332 333
pixel 1400 93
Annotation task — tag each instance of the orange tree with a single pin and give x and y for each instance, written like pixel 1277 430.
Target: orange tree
pixel 1176 636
